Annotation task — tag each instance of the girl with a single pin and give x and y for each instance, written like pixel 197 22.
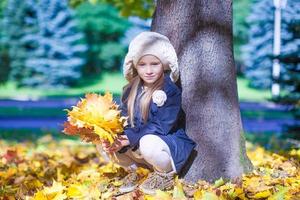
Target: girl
pixel 154 138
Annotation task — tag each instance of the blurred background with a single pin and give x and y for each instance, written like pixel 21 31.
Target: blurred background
pixel 52 52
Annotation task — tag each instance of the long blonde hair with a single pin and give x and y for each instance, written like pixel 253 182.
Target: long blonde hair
pixel 145 99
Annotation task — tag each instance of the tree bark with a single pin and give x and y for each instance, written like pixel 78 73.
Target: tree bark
pixel 201 32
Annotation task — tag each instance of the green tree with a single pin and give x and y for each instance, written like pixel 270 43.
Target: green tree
pixel 241 10
pixel 141 8
pixel 103 29
pixel 4 57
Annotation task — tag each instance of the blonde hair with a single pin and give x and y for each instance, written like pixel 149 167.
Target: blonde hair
pixel 144 100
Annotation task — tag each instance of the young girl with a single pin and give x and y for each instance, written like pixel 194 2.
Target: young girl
pixel 154 138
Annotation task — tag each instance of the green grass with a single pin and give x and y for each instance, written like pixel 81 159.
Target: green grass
pixel 271 141
pixel 250 94
pixel 112 82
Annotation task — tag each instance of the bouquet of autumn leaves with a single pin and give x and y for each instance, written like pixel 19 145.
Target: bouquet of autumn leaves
pixel 95 119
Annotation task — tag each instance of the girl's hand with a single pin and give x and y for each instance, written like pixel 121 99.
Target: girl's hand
pixel 119 143
pixel 105 145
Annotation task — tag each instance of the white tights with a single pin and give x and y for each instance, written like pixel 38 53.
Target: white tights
pixel 153 152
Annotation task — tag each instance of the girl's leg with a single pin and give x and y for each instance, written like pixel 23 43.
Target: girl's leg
pixel 122 159
pixel 126 160
pixel 157 153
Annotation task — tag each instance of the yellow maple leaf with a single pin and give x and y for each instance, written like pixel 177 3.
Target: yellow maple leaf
pixel 162 195
pixel 142 171
pixel 76 191
pixel 198 194
pixel 88 174
pixel 178 192
pixel 39 196
pixel 54 192
pixel 109 168
pixel 259 195
pixel 209 196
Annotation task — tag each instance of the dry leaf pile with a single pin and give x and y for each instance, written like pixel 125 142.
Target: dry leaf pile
pixel 70 169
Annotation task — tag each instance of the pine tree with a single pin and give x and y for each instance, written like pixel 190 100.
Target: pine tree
pixel 291 57
pixel 290 54
pixel 258 53
pixel 58 59
pixel 18 22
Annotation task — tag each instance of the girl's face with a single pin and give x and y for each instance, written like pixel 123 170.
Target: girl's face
pixel 149 68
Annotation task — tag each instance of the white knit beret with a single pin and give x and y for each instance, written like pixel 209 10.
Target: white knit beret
pixel 149 42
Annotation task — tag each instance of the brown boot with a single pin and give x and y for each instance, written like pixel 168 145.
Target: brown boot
pixel 157 181
pixel 130 182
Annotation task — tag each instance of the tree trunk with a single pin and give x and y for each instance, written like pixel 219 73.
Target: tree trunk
pixel 201 32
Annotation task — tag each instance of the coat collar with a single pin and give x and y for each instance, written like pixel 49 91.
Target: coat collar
pixel 169 85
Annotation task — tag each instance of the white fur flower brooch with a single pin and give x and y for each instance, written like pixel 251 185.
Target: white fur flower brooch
pixel 159 97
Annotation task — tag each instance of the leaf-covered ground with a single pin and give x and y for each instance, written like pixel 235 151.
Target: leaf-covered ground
pixel 69 169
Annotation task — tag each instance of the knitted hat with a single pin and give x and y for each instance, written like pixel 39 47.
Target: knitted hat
pixel 153 43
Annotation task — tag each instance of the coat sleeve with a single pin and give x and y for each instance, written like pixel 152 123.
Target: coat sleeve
pixel 164 118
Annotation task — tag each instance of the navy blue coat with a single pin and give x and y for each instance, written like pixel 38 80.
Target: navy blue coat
pixel 162 121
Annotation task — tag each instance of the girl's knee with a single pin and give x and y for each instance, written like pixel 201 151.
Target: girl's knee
pixel 156 152
pixel 152 146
